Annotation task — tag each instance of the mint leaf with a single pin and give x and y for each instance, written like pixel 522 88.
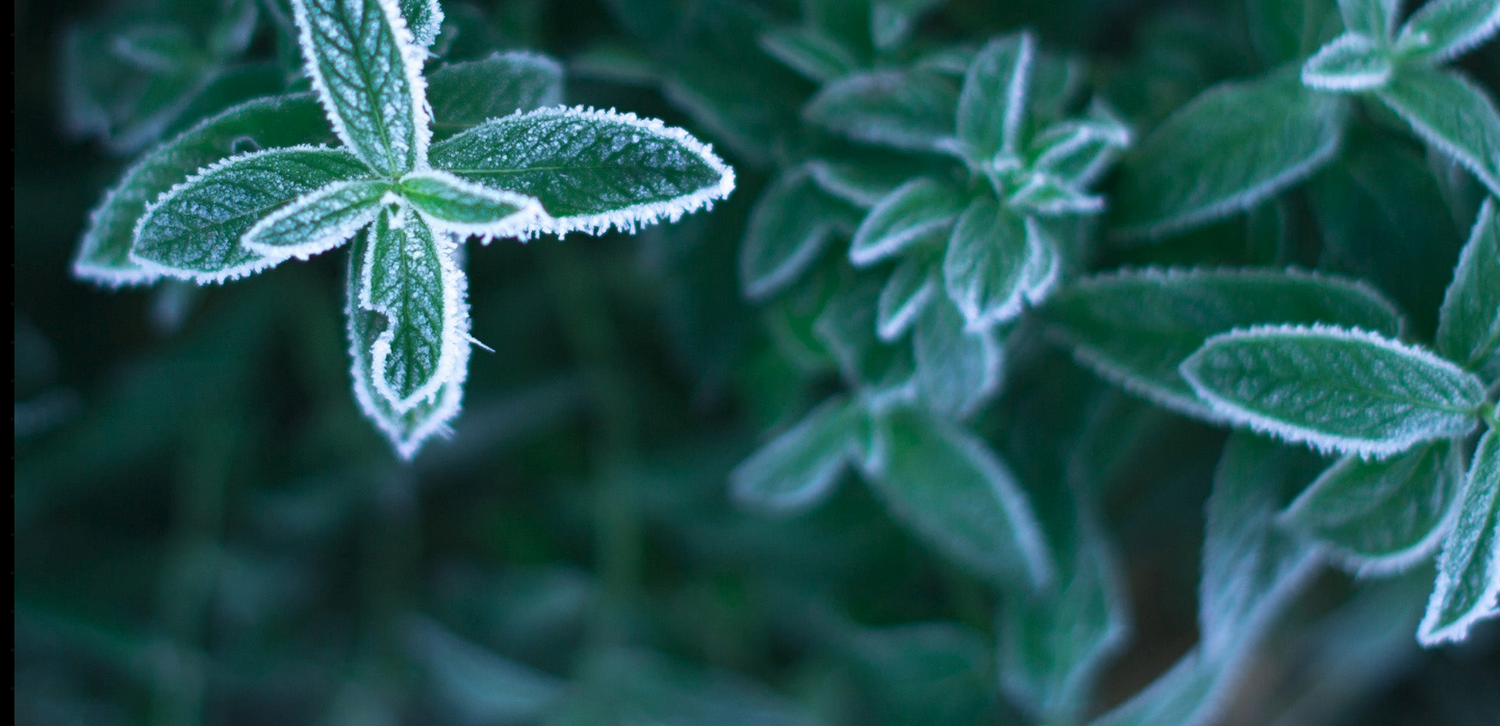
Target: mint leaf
pixel 318 221
pixel 911 110
pixel 957 367
pixel 816 56
pixel 985 268
pixel 368 76
pixel 464 95
pixel 911 287
pixel 1229 149
pixel 1135 327
pixel 1352 62
pixel 465 208
pixel 104 252
pixel 1381 516
pixel 799 468
pixel 591 170
pixel 1078 151
pixel 194 231
pixel 1469 322
pixel 862 182
pixel 992 102
pixel 1468 581
pixel 1448 111
pixel 1443 29
pixel 410 277
pixel 1373 18
pixel 424 18
pixel 921 210
pixel 952 490
pixel 788 229
pixel 1337 389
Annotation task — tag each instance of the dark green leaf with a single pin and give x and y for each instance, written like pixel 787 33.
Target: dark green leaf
pixel 464 95
pixel 788 229
pixel 1469 323
pixel 798 469
pixel 902 109
pixel 992 103
pixel 1450 112
pixel 1468 581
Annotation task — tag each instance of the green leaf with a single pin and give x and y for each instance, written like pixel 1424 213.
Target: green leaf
pixel 591 170
pixel 1448 111
pixel 1468 581
pixel 1444 29
pixel 798 469
pixel 952 490
pixel 1045 195
pixel 919 211
pixel 892 21
pixel 912 286
pixel 473 684
pixel 992 102
pixel 464 208
pixel 788 229
pixel 194 231
pixel 1373 18
pixel 863 180
pixel 985 268
pixel 409 430
pixel 424 18
pixel 911 110
pixel 1078 152
pixel 104 252
pixel 411 278
pixel 319 220
pixel 846 325
pixel 1469 322
pixel 816 56
pixel 1135 327
pixel 1282 31
pixel 1229 149
pixel 368 75
pixel 1352 62
pixel 1381 516
pixel 464 95
pixel 1337 389
pixel 957 368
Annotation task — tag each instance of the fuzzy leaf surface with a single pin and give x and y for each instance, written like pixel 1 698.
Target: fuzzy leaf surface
pixel 1468 581
pixel 464 207
pixel 799 468
pixel 984 270
pixel 319 221
pixel 911 110
pixel 914 212
pixel 424 18
pixel 1442 29
pixel 912 286
pixel 957 368
pixel 1469 321
pixel 468 93
pixel 1453 114
pixel 1352 62
pixel 992 101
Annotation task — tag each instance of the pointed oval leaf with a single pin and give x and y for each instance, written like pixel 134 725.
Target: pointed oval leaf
pixel 1469 322
pixel 194 231
pixel 466 94
pixel 1453 114
pixel 425 20
pixel 1337 389
pixel 815 55
pixel 1078 152
pixel 591 170
pixel 903 109
pixel 992 102
pixel 1443 29
pixel 846 326
pixel 862 181
pixel 1468 581
pixel 984 269
pixel 367 71
pixel 465 208
pixel 799 468
pixel 1135 327
pixel 1045 195
pixel 788 229
pixel 957 368
pixel 913 212
pixel 318 221
pixel 1352 62
pixel 911 287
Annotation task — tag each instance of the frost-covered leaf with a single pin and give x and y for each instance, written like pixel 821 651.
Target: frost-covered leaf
pixel 406 431
pixel 798 469
pixel 368 75
pixel 1079 151
pixel 1232 147
pixel 913 285
pixel 920 210
pixel 911 110
pixel 1442 29
pixel 1337 389
pixel 808 51
pixel 1352 62
pixel 1136 327
pixel 957 495
pixel 1453 114
pixel 411 278
pixel 984 270
pixel 957 368
pixel 1373 18
pixel 466 208
pixel 424 18
pixel 466 94
pixel 788 229
pixel 1469 323
pixel 1468 581
pixel 1048 196
pixel 591 170
pixel 318 221
pixel 104 253
pixel 1381 516
pixel 992 102
pixel 194 231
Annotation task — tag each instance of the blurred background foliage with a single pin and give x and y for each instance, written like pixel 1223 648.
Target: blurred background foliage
pixel 207 531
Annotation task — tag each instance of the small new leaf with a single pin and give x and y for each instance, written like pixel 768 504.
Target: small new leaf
pixel 1448 111
pixel 798 469
pixel 1352 62
pixel 1469 322
pixel 1468 580
pixel 1444 29
pixel 318 221
pixel 465 208
pixel 985 268
pixel 917 211
pixel 992 102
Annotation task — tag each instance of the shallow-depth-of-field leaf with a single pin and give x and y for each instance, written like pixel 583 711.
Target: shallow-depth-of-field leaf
pixel 918 211
pixel 985 268
pixel 1135 327
pixel 1381 516
pixel 1352 62
pixel 476 685
pixel 957 367
pixel 925 673
pixel 1468 581
pixel 846 326
pixel 790 226
pixel 810 52
pixel 992 103
pixel 1373 18
pixel 466 94
pixel 1232 147
pixel 1193 693
pixel 903 109
pixel 798 468
pixel 1337 389
pixel 1453 114
pixel 1469 322
pixel 465 208
pixel 912 286
pixel 1442 29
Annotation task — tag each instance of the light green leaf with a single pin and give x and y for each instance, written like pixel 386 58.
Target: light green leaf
pixel 1381 516
pixel 985 268
pixel 957 368
pixel 1078 152
pixel 910 110
pixel 911 287
pixel 1229 149
pixel 1469 322
pixel 1373 18
pixel 194 231
pixel 1045 195
pixel 409 430
pixel 992 102
pixel 424 18
pixel 590 169
pixel 952 490
pixel 466 94
pixel 921 210
pixel 411 278
pixel 1135 327
pixel 816 56
pixel 1337 389
pixel 104 253
pixel 319 220
pixel 1468 581
pixel 1352 62
pixel 788 229
pixel 368 75
pixel 1443 29
pixel 465 208
pixel 1448 111
pixel 799 468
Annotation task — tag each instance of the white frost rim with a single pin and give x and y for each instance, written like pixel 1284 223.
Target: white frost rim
pixel 528 215
pixel 319 239
pixel 880 235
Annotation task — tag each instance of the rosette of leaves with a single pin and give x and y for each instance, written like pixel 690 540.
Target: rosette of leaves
pixel 408 182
